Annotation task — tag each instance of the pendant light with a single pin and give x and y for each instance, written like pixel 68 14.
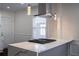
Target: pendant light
pixel 29 9
pixel 55 16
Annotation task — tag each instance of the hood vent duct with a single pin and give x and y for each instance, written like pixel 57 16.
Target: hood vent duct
pixel 45 10
pixel 41 8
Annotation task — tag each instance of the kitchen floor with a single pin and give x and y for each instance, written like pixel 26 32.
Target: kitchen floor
pixel 4 53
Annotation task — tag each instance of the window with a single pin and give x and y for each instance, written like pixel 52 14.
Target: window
pixel 39 27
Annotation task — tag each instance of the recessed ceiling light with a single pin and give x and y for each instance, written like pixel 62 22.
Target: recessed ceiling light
pixel 8 7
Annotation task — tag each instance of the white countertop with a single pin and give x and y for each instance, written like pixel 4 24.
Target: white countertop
pixel 39 47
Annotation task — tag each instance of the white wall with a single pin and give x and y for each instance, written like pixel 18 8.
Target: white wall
pixel 23 26
pixel 7 23
pixel 52 24
pixel 51 28
pixel 70 21
pixel 67 21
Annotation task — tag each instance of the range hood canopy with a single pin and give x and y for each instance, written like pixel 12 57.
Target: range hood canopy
pixel 45 10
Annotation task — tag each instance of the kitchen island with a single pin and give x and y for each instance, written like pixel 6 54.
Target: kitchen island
pixel 57 48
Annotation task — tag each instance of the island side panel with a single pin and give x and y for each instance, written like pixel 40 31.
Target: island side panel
pixel 57 51
pixel 14 51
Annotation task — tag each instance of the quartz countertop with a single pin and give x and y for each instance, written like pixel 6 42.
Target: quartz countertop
pixel 40 47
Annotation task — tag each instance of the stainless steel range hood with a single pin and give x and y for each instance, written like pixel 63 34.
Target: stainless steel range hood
pixel 45 10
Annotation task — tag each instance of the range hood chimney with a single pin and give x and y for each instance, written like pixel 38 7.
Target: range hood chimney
pixel 45 10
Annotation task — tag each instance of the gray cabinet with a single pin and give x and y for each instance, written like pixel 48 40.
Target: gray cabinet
pixel 57 51
pixel 74 48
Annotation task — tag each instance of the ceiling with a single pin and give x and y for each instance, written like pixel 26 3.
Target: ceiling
pixel 15 6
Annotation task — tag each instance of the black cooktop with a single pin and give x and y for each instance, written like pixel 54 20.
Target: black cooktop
pixel 42 41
